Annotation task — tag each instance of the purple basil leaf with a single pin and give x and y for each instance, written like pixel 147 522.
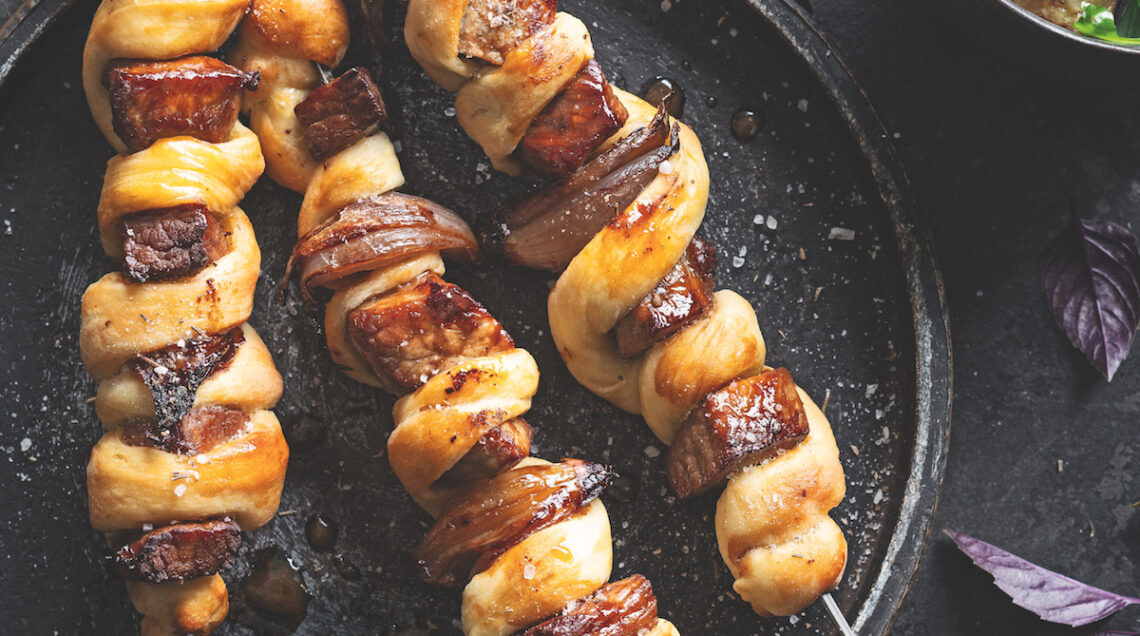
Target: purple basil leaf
pixel 1092 282
pixel 1051 596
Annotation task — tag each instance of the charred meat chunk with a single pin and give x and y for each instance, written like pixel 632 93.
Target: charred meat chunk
pixel 421 329
pixel 738 426
pixel 503 511
pixel 341 113
pixel 681 297
pixel 493 28
pixel 623 608
pixel 502 447
pixel 174 373
pixel 171 242
pixel 197 96
pixel 200 431
pixel 179 552
pixel 573 124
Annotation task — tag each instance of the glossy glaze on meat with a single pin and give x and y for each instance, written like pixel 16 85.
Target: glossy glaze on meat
pixel 681 297
pixel 171 242
pixel 504 510
pixel 179 552
pixel 197 96
pixel 493 28
pixel 174 373
pixel 421 329
pixel 623 608
pixel 200 431
pixel 573 124
pixel 341 113
pixel 741 425
pixel 501 448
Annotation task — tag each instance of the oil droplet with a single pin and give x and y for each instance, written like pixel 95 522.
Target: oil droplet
pixel 710 101
pixel 346 568
pixel 273 588
pixel 746 124
pixel 657 88
pixel 685 64
pixel 321 532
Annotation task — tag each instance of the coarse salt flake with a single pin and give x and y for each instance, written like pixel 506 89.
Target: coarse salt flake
pixel 666 167
pixel 528 571
pixel 25 444
pixel 652 451
pixel 841 234
pixel 758 219
pixel 180 490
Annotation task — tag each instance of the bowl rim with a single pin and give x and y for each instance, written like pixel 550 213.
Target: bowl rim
pixel 1014 9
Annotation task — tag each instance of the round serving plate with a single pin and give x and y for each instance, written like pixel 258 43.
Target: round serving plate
pixel 812 220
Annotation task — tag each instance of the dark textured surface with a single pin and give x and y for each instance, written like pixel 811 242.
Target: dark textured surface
pixel 997 154
pixel 836 316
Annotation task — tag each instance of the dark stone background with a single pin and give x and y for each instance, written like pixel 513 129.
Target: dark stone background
pixel 998 156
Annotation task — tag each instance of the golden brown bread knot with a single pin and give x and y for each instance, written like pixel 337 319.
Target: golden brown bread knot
pixel 507 70
pixel 394 323
pixel 184 383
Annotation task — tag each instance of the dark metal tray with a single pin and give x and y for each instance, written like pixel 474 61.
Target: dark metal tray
pixel 860 321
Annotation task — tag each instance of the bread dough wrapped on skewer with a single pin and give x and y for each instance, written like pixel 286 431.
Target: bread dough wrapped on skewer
pixel 527 540
pixel 192 455
pixel 633 312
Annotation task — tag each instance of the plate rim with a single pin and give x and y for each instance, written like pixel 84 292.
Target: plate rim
pixel 933 351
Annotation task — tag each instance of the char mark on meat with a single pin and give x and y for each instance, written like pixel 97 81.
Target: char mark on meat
pixel 341 113
pixel 171 243
pixel 500 449
pixel 741 425
pixel 573 124
pixel 197 96
pixel 179 552
pixel 174 373
pixel 683 296
pixel 423 328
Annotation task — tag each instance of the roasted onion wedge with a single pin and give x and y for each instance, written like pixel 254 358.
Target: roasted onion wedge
pixel 504 510
pixel 372 233
pixel 742 424
pixel 547 230
pixel 623 608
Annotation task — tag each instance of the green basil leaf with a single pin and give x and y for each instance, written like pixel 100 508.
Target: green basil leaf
pixel 1097 22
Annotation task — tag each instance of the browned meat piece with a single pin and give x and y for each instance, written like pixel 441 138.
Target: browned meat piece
pixel 738 426
pixel 423 328
pixel 180 551
pixel 504 510
pixel 502 447
pixel 493 28
pixel 171 242
pixel 341 113
pixel 681 297
pixel 196 96
pixel 174 373
pixel 199 432
pixel 623 608
pixel 573 124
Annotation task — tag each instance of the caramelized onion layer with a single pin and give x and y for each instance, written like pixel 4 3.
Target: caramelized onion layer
pixel 504 510
pixel 547 230
pixel 623 608
pixel 375 232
